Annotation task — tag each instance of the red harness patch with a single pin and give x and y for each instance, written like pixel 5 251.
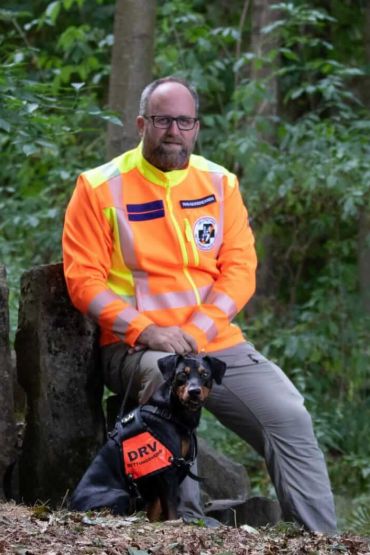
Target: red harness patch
pixel 144 454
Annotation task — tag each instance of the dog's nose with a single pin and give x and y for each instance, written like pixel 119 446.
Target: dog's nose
pixel 194 391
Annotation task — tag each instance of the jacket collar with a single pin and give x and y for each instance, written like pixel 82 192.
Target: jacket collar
pixel 153 174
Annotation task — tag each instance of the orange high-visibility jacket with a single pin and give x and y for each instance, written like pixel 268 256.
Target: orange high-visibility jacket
pixel 142 246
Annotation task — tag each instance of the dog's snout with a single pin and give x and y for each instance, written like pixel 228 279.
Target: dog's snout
pixel 194 391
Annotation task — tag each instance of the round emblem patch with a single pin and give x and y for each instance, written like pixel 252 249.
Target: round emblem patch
pixel 205 232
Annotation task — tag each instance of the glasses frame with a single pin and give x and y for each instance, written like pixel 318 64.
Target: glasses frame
pixel 172 119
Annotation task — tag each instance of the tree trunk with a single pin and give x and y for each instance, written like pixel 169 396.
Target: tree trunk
pixel 8 439
pixel 132 57
pixel 364 257
pixel 364 219
pixel 262 45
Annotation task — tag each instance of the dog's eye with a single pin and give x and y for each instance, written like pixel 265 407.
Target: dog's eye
pixel 181 378
pixel 205 375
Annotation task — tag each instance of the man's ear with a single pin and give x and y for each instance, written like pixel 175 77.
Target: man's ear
pixel 218 368
pixel 140 123
pixel 168 365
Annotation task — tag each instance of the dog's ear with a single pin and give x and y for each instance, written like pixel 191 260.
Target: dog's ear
pixel 218 368
pixel 168 365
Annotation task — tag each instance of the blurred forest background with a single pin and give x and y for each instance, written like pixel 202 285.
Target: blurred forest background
pixel 285 103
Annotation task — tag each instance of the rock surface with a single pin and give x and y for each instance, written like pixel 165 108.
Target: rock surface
pixel 7 421
pixel 255 511
pixel 226 491
pixel 223 478
pixel 58 367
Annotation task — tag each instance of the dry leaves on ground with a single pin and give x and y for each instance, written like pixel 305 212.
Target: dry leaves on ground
pixel 37 530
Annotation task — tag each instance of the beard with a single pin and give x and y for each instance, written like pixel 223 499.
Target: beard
pixel 167 158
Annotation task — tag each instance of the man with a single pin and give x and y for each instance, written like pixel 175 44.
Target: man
pixel 158 249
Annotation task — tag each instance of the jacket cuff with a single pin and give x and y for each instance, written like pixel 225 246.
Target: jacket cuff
pixel 197 334
pixel 136 327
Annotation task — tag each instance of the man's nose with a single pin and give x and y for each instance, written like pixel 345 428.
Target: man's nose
pixel 173 128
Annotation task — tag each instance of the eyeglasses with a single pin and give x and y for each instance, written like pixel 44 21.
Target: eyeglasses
pixel 184 123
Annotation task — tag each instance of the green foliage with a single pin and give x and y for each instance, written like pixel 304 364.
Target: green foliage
pixel 359 520
pixel 51 127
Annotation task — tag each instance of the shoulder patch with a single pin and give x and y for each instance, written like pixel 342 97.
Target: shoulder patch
pixel 205 231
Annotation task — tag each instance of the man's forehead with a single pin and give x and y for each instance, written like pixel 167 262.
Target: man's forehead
pixel 169 93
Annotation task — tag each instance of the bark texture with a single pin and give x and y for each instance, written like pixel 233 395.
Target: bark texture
pixel 262 45
pixel 132 58
pixel 364 219
pixel 58 367
pixel 7 420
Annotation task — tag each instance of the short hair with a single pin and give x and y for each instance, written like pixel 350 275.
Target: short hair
pixel 149 89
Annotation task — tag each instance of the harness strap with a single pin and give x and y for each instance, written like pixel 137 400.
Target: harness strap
pixel 167 415
pixel 135 496
pixel 186 465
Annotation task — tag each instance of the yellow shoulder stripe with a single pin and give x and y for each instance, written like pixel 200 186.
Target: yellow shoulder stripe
pixel 203 164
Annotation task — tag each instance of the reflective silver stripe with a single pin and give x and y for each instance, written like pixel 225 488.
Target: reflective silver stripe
pixel 204 291
pixel 173 299
pixel 169 300
pixel 141 282
pixel 123 320
pixel 217 179
pixel 110 170
pixel 126 238
pixel 101 301
pixel 129 299
pixel 206 324
pixel 116 189
pixel 223 302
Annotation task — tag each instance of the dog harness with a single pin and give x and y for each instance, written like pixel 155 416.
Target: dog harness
pixel 149 442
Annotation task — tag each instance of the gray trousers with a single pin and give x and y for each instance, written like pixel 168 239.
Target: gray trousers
pixel 260 404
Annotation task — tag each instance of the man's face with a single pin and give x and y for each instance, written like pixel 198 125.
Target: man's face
pixel 168 149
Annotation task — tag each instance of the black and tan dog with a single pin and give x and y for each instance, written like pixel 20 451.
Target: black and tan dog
pixel 151 449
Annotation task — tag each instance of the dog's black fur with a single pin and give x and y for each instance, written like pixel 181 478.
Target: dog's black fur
pixel 172 414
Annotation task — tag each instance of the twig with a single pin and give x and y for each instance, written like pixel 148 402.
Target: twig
pixel 64 499
pixel 239 41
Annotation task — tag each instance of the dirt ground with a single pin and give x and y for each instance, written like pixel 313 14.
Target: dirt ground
pixel 37 530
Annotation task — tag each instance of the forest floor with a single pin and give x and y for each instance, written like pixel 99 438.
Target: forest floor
pixel 37 530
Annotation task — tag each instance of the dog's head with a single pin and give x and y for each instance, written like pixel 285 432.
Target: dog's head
pixel 191 377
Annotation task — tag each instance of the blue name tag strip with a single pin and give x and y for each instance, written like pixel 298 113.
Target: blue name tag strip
pixel 144 207
pixel 145 211
pixel 146 216
pixel 197 203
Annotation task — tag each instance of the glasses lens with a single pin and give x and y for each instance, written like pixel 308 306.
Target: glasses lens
pixel 185 123
pixel 163 122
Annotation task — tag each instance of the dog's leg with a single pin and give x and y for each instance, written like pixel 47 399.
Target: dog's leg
pixel 164 507
pixel 168 496
pixel 154 510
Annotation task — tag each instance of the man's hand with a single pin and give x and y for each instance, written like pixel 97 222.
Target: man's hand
pixel 169 339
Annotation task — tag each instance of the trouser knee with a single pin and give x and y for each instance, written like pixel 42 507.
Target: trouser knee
pixel 136 374
pixel 149 378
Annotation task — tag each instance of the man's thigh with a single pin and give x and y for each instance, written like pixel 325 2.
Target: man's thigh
pixel 255 397
pixel 138 371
